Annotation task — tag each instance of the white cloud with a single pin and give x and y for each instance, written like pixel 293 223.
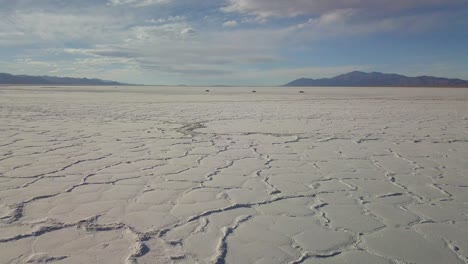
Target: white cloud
pixel 170 49
pixel 30 62
pixel 351 22
pixel 231 23
pixel 292 8
pixel 154 33
pixel 186 31
pixel 138 3
pixel 168 19
pixel 38 26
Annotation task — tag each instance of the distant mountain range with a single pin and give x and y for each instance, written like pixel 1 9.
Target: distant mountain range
pixel 377 79
pixel 352 79
pixel 6 78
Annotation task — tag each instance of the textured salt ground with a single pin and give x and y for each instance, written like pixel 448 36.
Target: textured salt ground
pixel 178 175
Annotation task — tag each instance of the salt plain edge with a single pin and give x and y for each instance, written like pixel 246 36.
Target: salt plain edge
pixel 177 175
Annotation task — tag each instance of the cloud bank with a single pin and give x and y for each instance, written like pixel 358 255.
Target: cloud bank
pixel 291 8
pixel 206 42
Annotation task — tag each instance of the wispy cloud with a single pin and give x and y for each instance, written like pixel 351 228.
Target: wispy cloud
pixel 230 23
pixel 291 8
pixel 39 26
pixel 138 3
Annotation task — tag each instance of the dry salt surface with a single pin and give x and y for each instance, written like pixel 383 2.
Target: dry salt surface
pixel 184 175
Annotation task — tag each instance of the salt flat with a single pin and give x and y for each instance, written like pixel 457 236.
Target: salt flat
pixel 180 175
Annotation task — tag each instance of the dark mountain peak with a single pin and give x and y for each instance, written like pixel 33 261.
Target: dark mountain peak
pixel 359 78
pixel 357 73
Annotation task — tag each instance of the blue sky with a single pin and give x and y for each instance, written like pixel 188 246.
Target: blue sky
pixel 236 42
